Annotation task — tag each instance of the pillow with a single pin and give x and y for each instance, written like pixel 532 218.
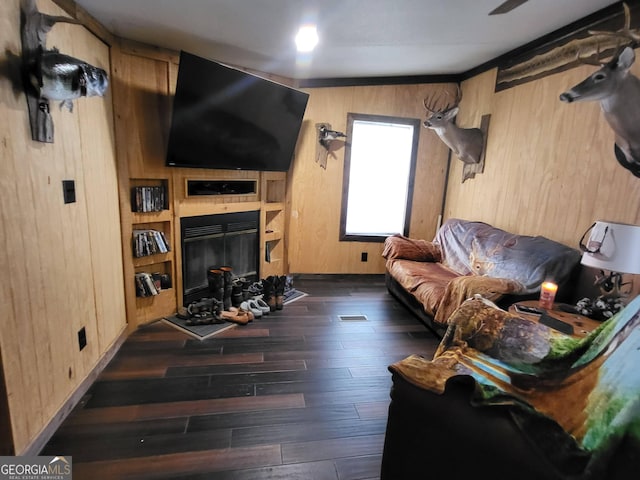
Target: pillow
pixel 401 247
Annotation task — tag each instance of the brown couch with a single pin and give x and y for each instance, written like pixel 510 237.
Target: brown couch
pixel 432 278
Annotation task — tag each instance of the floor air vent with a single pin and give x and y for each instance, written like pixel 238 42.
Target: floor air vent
pixel 352 318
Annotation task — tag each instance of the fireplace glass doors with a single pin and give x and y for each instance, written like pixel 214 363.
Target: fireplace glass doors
pixel 216 240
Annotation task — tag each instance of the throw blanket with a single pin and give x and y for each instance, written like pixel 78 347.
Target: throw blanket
pixel 478 248
pixel 461 288
pixel 576 399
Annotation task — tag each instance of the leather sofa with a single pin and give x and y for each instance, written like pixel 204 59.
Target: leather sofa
pixel 505 397
pixel 432 278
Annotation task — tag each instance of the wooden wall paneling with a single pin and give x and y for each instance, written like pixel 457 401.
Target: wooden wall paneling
pixel 47 254
pixel 60 292
pixel 316 193
pixel 142 104
pixel 18 258
pixel 101 192
pixel 550 166
pixel 142 112
pixel 69 304
pixel 17 209
pixel 120 95
pixel 36 229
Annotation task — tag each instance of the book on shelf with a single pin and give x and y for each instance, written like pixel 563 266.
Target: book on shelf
pixel 150 284
pixel 149 242
pixel 149 199
pixel 145 287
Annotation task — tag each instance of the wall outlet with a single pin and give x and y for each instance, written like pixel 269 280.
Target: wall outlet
pixel 82 338
pixel 364 256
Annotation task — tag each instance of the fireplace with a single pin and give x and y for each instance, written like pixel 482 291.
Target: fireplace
pixel 215 240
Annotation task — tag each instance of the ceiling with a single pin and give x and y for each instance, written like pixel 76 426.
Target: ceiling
pixel 358 38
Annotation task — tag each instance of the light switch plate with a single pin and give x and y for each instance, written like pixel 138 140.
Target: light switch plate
pixel 69 191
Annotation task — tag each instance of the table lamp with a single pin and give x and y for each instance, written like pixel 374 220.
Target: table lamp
pixel 612 247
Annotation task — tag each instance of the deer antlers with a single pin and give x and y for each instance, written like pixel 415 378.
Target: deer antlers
pixel 430 102
pixel 625 33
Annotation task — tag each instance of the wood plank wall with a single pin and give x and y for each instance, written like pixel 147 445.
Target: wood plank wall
pixel 550 168
pixel 62 263
pixel 315 194
pixel 142 102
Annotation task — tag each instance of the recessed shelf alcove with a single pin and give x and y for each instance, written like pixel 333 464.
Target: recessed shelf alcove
pixel 221 187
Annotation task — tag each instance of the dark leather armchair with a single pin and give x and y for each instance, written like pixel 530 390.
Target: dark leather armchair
pixel 439 427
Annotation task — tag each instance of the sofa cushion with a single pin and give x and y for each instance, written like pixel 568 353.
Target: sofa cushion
pixel 426 281
pixel 481 249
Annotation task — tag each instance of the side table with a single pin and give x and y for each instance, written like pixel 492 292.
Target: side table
pixel 581 325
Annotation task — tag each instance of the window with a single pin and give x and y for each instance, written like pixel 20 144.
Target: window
pixel 379 167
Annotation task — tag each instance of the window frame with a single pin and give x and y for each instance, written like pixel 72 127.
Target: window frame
pixel 351 118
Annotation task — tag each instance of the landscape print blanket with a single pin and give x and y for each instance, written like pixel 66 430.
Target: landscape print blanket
pixel 480 249
pixel 577 399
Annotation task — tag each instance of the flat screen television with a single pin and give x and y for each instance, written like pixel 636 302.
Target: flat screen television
pixel 224 118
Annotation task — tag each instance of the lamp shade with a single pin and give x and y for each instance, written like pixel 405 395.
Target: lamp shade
pixel 614 247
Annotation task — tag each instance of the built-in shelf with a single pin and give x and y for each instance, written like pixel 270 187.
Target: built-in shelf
pixel 152 259
pixel 152 213
pixel 270 236
pixel 147 217
pixel 149 195
pixel 276 206
pixel 273 223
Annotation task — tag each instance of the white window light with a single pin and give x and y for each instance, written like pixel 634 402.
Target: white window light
pixel 379 166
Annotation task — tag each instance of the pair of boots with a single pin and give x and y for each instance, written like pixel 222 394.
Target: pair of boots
pixel 220 281
pixel 240 291
pixel 273 291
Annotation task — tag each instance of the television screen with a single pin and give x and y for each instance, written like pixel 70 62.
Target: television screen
pixel 224 118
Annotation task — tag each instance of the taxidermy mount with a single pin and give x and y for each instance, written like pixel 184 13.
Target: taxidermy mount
pixel 618 92
pixel 51 75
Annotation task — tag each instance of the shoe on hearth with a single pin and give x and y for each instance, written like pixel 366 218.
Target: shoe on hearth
pixel 215 281
pixel 234 315
pixel 279 286
pixel 255 289
pixel 251 306
pixel 248 312
pixel 269 294
pixel 236 292
pixel 261 304
pixel 183 313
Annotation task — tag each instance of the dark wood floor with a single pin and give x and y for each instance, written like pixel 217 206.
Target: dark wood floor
pixel 298 394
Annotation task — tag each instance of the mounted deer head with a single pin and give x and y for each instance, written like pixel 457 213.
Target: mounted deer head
pixel 466 143
pixel 618 92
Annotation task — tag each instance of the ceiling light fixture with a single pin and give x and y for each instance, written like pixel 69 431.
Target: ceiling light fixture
pixel 307 38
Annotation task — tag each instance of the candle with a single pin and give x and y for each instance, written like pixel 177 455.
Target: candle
pixel 548 295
